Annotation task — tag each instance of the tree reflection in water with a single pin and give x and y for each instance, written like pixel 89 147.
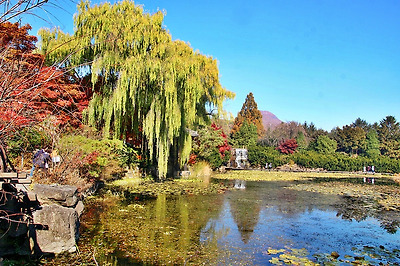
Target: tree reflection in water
pixel 238 226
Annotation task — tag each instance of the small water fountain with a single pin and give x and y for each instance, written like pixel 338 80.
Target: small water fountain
pixel 240 156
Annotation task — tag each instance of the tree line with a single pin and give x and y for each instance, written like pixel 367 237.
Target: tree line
pixel 359 144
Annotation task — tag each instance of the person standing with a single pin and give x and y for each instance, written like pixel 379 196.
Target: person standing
pixel 55 157
pixel 41 159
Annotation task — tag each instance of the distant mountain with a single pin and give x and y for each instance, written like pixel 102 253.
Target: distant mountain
pixel 269 120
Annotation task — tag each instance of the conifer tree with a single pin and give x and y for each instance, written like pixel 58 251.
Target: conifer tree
pixel 325 144
pixel 389 137
pixel 246 136
pixel 251 114
pixel 372 149
pixel 301 141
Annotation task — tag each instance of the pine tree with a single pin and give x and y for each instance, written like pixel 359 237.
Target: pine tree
pixel 251 114
pixel 325 144
pixel 301 141
pixel 246 136
pixel 389 137
pixel 372 149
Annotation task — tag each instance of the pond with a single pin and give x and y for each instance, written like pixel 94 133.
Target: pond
pixel 259 223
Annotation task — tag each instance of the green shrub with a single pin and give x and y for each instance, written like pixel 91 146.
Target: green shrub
pixel 84 161
pixel 128 156
pixel 343 162
pixel 22 145
pixel 93 156
pixel 214 158
pixel 258 156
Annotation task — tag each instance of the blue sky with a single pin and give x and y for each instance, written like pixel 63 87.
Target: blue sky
pixel 326 62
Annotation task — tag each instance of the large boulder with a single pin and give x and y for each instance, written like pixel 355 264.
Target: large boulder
pixel 64 195
pixel 60 229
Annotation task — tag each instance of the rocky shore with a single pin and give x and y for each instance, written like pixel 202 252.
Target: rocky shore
pixel 39 221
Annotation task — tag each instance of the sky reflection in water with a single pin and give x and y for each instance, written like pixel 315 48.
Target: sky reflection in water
pixel 266 215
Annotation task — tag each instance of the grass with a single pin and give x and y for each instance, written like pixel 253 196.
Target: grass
pixel 250 175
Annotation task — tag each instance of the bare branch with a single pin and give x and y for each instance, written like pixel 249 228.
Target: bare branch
pixel 12 9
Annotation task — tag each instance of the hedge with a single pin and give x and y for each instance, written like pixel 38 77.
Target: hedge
pixel 260 155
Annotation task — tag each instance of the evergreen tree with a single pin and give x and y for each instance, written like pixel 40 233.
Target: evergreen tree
pixel 251 114
pixel 312 132
pixel 325 144
pixel 246 136
pixel 301 141
pixel 350 139
pixel 372 147
pixel 144 83
pixel 389 137
pixel 362 124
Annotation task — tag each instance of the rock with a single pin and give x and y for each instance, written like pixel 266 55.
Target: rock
pixel 32 196
pixel 79 208
pixel 62 232
pixel 64 195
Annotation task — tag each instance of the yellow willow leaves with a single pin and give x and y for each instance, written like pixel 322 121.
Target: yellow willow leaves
pixel 141 77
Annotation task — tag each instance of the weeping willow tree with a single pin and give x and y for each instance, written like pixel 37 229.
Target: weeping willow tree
pixel 144 82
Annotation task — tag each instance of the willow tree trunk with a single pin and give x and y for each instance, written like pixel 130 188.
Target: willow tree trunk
pixel 173 165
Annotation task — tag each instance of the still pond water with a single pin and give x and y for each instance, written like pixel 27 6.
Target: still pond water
pixel 264 223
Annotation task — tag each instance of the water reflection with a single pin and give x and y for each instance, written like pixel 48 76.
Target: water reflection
pixel 359 209
pixel 239 227
pixel 245 210
pixel 240 184
pixel 267 215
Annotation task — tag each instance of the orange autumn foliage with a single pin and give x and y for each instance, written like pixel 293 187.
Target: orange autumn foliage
pixel 30 91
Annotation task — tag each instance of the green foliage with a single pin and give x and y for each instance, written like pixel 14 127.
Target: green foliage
pixel 351 139
pixel 312 132
pixel 260 155
pixel 389 137
pixel 27 140
pixel 343 162
pixel 301 141
pixel 372 147
pixel 324 144
pixel 93 159
pixel 128 156
pixel 214 158
pixel 143 81
pixel 206 146
pixel 246 136
pixel 361 124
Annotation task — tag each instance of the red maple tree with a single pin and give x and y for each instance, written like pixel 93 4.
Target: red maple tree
pixel 222 148
pixel 288 146
pixel 30 92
